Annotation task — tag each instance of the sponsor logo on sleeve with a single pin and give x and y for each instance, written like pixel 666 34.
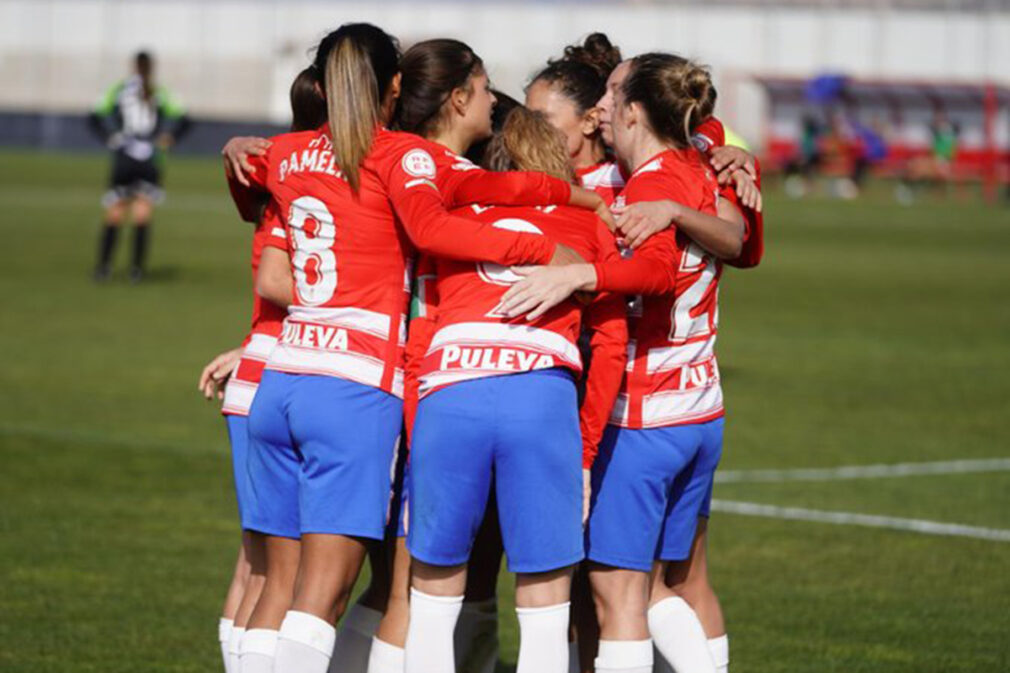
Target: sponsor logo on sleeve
pixel 419 164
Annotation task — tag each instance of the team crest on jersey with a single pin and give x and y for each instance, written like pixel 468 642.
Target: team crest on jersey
pixel 419 164
pixel 702 142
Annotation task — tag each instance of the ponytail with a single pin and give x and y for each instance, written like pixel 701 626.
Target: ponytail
pixel 358 62
pixel 352 104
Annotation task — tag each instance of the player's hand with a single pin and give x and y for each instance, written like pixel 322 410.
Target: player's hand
pixel 563 255
pixel 747 190
pixel 604 213
pixel 638 222
pixel 727 159
pixel 587 492
pixel 217 372
pixel 115 141
pixel 236 154
pixel 544 287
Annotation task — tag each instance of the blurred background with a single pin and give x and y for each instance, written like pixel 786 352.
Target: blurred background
pixel 862 515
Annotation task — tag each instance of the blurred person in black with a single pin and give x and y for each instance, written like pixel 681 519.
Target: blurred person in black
pixel 138 120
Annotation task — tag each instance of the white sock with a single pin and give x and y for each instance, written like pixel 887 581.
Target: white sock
pixel 385 658
pixel 624 656
pixel 224 627
pixel 305 644
pixel 679 637
pixel 574 665
pixel 719 648
pixel 234 647
pixel 429 636
pixel 543 639
pixel 259 647
pixel 475 640
pixel 354 640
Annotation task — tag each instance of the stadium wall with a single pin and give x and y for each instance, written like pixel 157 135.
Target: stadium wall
pixel 232 60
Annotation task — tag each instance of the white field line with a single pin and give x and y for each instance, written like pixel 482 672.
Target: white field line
pixel 864 471
pixel 867 520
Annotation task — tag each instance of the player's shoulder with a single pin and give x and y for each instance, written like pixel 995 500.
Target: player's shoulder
pixel 414 154
pixel 679 174
pixel 291 140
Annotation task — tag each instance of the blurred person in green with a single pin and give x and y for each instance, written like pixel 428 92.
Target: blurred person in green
pixel 137 120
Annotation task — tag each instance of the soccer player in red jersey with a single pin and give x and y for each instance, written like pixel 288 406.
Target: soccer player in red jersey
pixel 498 404
pixel 358 198
pixel 666 428
pixel 239 372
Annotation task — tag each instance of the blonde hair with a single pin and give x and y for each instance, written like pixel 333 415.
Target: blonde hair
pixel 528 142
pixel 677 94
pixel 352 103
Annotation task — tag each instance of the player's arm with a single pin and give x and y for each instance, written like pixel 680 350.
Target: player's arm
pixel 753 245
pixel 473 184
pixel 606 320
pixel 721 234
pixel 433 230
pixel 215 375
pixel 249 193
pixel 274 281
pixel 102 120
pixel 177 122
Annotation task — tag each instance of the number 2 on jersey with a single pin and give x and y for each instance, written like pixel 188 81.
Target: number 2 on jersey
pixel 313 233
pixel 684 325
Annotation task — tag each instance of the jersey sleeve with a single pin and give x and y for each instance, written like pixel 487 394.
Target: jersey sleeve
pixel 409 176
pixel 652 270
pixel 422 329
pixel 272 223
pixel 249 200
pixel 709 135
pixel 472 184
pixel 753 242
pixel 606 320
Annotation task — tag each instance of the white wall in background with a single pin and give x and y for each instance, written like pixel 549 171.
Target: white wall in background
pixel 236 58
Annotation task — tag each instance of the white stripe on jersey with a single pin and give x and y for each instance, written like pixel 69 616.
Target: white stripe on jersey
pixel 342 364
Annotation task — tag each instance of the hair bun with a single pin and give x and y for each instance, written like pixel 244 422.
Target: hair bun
pixel 597 52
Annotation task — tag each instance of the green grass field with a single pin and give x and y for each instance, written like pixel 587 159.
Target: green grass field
pixel 873 333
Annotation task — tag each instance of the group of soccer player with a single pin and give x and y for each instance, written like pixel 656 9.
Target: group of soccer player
pixel 481 327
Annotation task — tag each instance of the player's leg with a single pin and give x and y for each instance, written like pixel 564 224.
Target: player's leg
pixel 352 651
pixel 346 434
pixel 689 579
pixel 226 629
pixel 387 651
pixel 112 219
pixel 585 631
pixel 448 485
pixel 632 479
pixel 272 472
pixel 538 483
pixel 476 636
pixel 543 608
pixel 675 628
pixel 141 214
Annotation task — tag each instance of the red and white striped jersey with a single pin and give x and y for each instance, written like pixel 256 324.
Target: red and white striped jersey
pixel 604 178
pixel 672 377
pixel 266 323
pixel 472 338
pixel 351 253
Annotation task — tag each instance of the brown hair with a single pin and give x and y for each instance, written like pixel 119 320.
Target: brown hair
pixel 581 74
pixel 528 142
pixel 676 94
pixel 432 70
pixel 308 109
pixel 358 62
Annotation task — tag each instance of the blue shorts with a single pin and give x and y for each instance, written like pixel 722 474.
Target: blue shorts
pixel 648 489
pixel 520 431
pixel 238 437
pixel 321 456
